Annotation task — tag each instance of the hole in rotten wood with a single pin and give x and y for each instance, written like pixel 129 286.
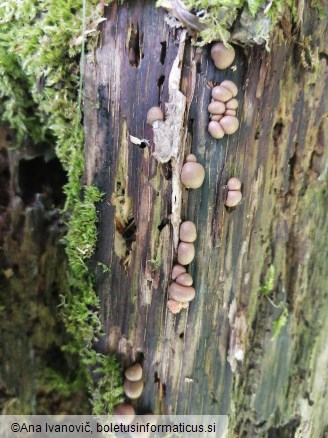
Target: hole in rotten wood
pixel 191 126
pixel 198 67
pixel 285 430
pixel 323 55
pixel 160 82
pixel 140 357
pixel 291 166
pixel 124 220
pixel 181 335
pixel 156 378
pixel 167 170
pixel 164 389
pixel 277 132
pixel 163 52
pixel 163 223
pixel 143 144
pixel 40 176
pixel 134 51
pixel 129 232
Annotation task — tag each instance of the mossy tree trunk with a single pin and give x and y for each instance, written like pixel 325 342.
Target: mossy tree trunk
pixel 260 269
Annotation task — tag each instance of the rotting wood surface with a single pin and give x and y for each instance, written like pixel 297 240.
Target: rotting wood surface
pixel 190 360
pixel 33 275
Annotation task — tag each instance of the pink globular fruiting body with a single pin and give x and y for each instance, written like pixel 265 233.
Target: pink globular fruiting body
pixel 180 293
pixel 234 184
pixel 188 232
pixel 155 113
pixel 186 253
pixel 192 175
pixel 233 198
pixel 222 56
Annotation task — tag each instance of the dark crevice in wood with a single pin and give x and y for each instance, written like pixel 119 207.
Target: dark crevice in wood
pixel 135 54
pixel 167 170
pixel 163 52
pixel 128 232
pixel 4 179
pixel 287 430
pixel 165 221
pixel 277 132
pixel 191 126
pixel 36 176
pixel 291 166
pixel 199 67
pixel 323 55
pixel 156 377
pixel 160 83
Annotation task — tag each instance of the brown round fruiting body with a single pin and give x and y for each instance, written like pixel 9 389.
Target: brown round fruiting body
pixel 154 114
pixel 216 117
pixel 191 158
pixel 221 94
pixel 124 413
pixel 188 232
pixel 182 294
pixel 216 107
pixel 133 389
pixel 192 175
pixel 233 198
pixel 222 56
pixel 234 184
pixel 229 124
pixel 186 253
pixel 134 373
pixel 230 112
pixel 215 129
pixel 230 86
pixel 184 279
pixel 232 104
pixel 177 270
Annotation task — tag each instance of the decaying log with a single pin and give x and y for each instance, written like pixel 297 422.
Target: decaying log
pixel 33 277
pixel 217 356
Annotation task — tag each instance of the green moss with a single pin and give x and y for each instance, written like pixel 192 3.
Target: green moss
pixel 269 283
pixel 219 15
pixel 279 323
pixel 40 96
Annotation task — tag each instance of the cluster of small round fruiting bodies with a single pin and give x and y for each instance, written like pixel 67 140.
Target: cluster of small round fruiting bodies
pixel 133 387
pixel 133 383
pixel 181 289
pixel 223 107
pixel 223 110
pixel 234 194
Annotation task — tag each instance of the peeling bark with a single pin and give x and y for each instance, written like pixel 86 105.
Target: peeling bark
pixel 268 387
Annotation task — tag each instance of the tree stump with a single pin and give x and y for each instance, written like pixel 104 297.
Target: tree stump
pixel 217 356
